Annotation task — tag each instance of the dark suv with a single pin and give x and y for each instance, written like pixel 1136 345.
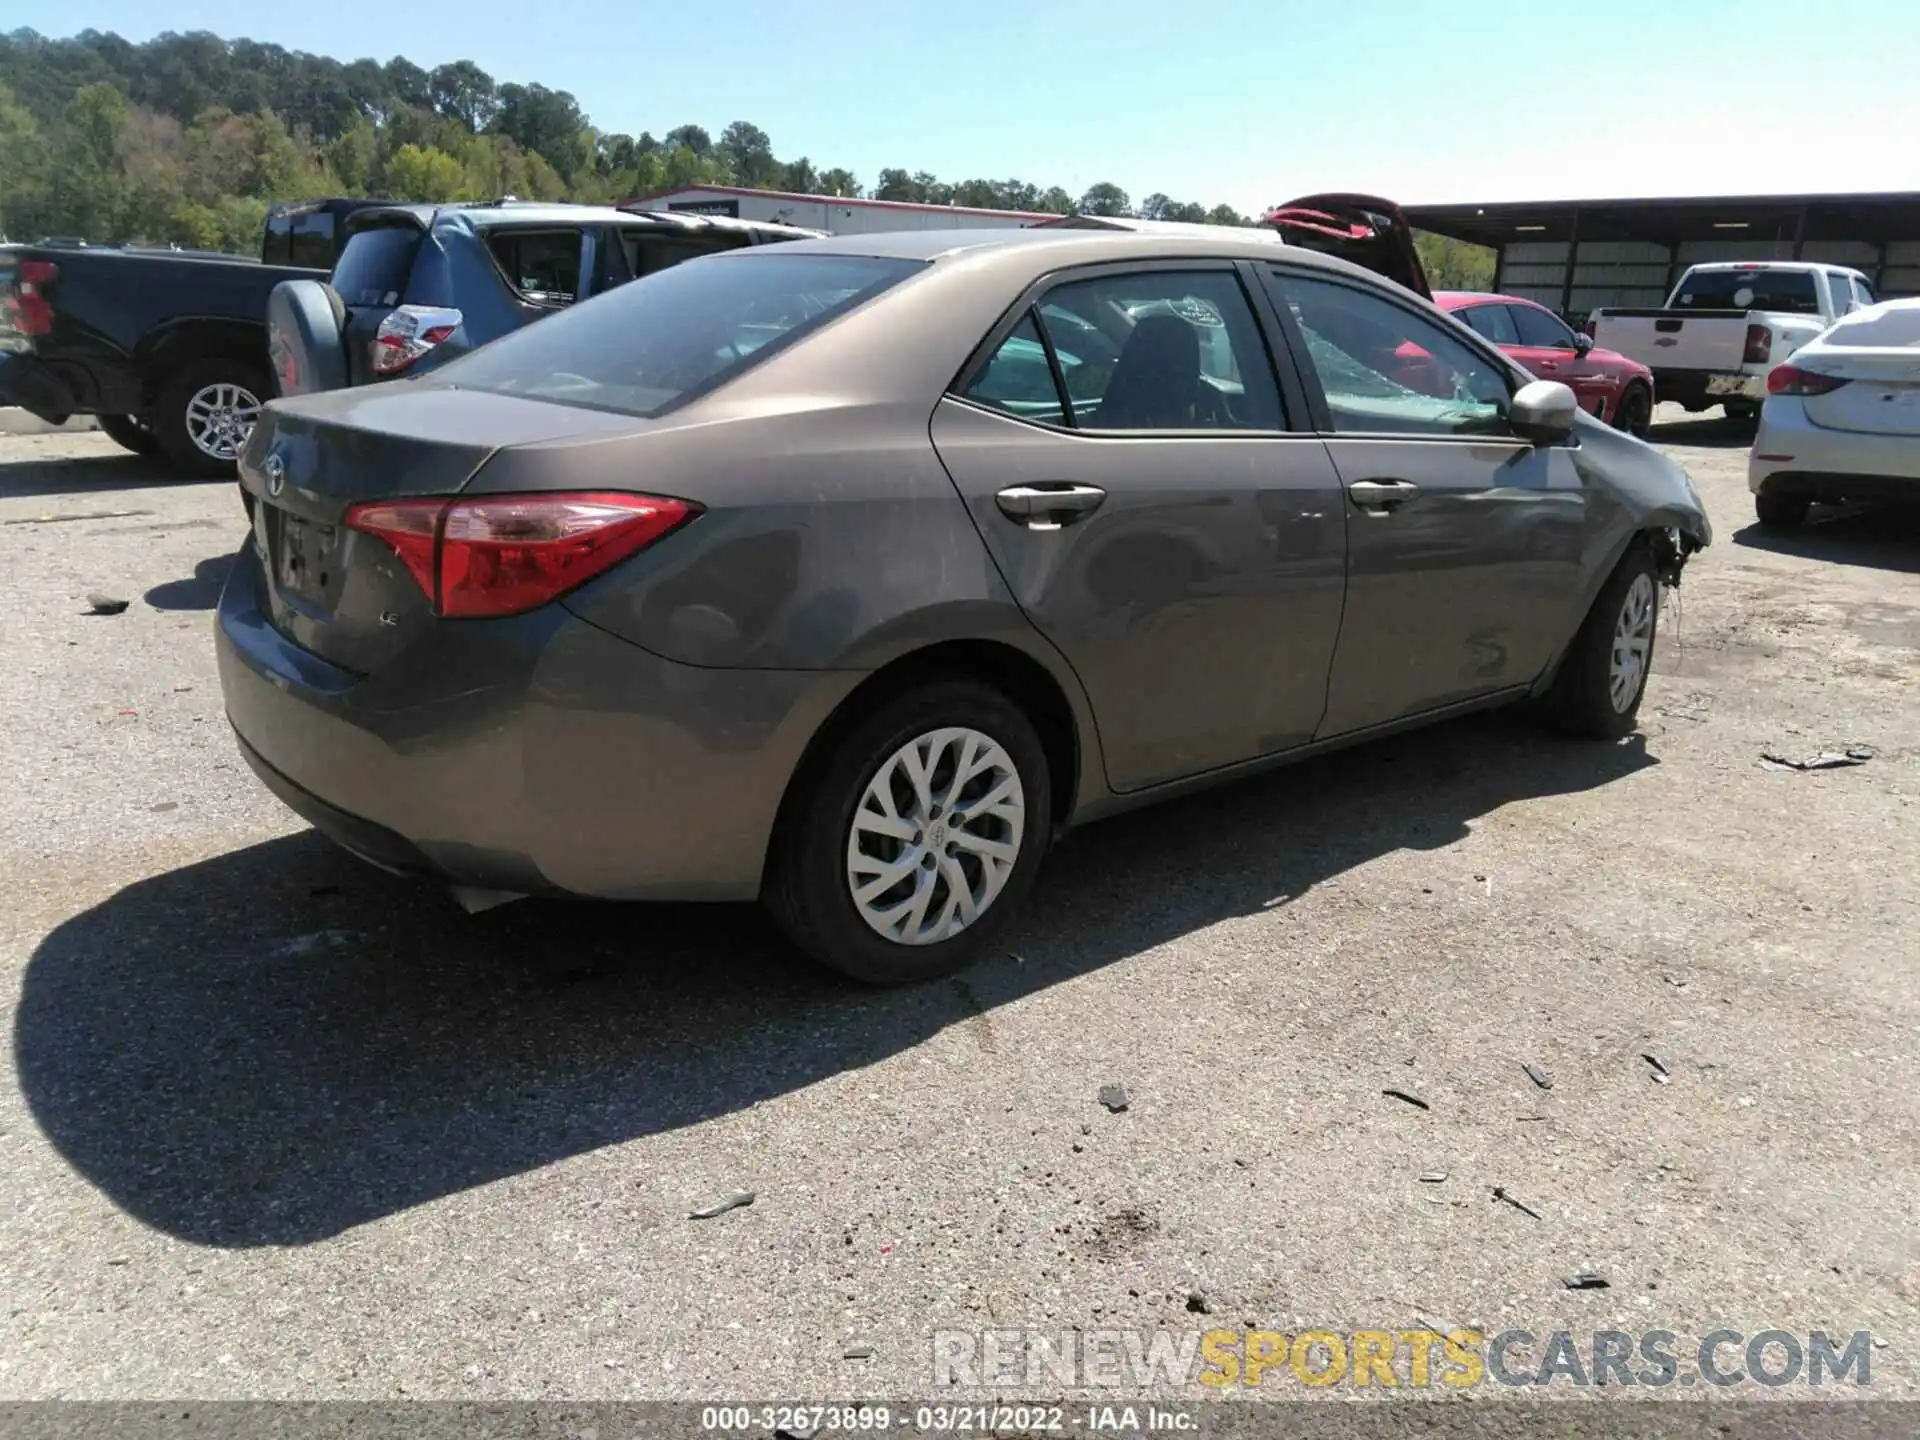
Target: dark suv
pixel 417 285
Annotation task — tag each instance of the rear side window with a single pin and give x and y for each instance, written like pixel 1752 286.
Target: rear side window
pixel 1493 321
pixel 1862 291
pixel 1540 329
pixel 1158 350
pixel 542 266
pixel 1791 292
pixel 1018 379
pixel 374 267
pixel 670 336
pixel 649 252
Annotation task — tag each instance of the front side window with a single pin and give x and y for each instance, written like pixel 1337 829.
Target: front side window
pixel 1162 350
pixel 1493 321
pixel 1540 329
pixel 666 337
pixel 543 266
pixel 1388 370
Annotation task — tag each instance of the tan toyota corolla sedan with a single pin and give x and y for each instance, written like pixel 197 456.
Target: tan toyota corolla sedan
pixel 846 574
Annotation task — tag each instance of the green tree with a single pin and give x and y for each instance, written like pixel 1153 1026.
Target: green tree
pixel 1106 198
pixel 23 176
pixel 747 154
pixel 422 174
pixel 839 182
pixel 463 91
pixel 1454 264
pixel 1226 215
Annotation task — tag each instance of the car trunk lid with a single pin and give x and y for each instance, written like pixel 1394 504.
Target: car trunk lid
pixel 1364 229
pixel 1877 352
pixel 338 592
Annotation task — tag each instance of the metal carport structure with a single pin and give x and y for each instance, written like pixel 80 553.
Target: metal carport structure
pixel 1577 255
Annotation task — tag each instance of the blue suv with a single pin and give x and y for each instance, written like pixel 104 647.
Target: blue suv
pixel 418 285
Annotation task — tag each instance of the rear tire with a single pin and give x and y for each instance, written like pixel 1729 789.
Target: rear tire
pixel 906 830
pixel 1741 412
pixel 205 410
pixel 129 432
pixel 1604 675
pixel 1782 514
pixel 1634 414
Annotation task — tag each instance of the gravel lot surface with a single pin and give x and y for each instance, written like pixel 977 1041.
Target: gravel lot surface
pixel 274 1124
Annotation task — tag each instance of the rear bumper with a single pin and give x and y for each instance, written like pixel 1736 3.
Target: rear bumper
pixel 36 388
pixel 1793 456
pixel 1701 388
pixel 552 758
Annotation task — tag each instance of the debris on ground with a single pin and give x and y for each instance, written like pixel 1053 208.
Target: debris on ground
pixel 1413 1100
pixel 164 806
pixel 1198 1304
pixel 1537 1075
pixel 738 1200
pixel 106 604
pixel 1586 1280
pixel 1662 1067
pixel 1114 1097
pixel 1823 760
pixel 857 1352
pixel 1433 1177
pixel 1500 1193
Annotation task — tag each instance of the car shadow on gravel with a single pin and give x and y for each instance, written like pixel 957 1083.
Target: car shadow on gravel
pixel 1714 432
pixel 274 1045
pixel 1874 537
pixel 201 591
pixel 86 475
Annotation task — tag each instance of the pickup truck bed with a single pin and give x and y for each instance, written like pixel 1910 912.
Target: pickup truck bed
pixel 168 348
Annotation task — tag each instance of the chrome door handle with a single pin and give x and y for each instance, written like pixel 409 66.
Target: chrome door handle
pixel 1382 494
pixel 1049 504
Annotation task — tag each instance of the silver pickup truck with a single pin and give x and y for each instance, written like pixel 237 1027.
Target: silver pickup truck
pixel 1726 325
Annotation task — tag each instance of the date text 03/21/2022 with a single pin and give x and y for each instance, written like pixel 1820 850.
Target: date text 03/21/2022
pixel 981 1419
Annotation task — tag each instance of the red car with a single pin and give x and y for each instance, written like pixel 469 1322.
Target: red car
pixel 1372 232
pixel 1614 388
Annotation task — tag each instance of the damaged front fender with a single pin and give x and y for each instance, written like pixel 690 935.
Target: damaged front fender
pixel 1632 490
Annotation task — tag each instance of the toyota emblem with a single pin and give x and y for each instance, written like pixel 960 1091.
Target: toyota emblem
pixel 276 475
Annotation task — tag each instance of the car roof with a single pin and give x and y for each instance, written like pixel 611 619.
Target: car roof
pixel 488 214
pixel 1807 266
pixel 1043 248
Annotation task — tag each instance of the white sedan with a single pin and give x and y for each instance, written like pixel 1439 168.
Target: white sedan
pixel 1842 419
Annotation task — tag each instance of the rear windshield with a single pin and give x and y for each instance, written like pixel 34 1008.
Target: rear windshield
pixel 373 269
pixel 667 336
pixel 1789 291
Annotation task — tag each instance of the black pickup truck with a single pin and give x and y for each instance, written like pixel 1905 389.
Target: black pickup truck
pixel 167 347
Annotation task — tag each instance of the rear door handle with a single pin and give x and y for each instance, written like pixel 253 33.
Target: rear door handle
pixel 1049 504
pixel 1382 495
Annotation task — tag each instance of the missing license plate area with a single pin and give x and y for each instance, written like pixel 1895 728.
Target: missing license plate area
pixel 305 556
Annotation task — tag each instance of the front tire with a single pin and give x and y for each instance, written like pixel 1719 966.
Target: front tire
pixel 1634 414
pixel 204 412
pixel 129 432
pixel 1782 514
pixel 1604 675
pixel 872 875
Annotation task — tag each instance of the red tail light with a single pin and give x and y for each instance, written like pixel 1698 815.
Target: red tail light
pixel 32 309
pixel 1759 345
pixel 1792 380
pixel 408 332
pixel 505 554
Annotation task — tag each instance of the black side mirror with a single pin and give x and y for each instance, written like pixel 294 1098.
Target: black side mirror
pixel 1582 342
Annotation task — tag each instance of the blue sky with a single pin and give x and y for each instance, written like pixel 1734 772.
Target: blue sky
pixel 1251 103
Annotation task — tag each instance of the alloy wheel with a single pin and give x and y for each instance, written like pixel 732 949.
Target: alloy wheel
pixel 1632 643
pixel 935 836
pixel 220 418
